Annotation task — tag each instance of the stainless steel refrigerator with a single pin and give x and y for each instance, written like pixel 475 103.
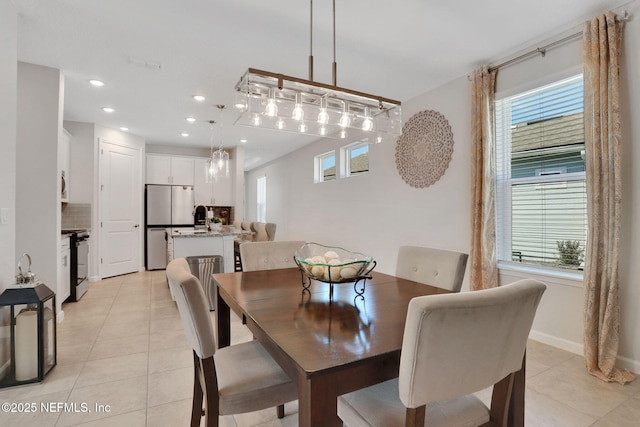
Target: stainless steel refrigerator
pixel 166 206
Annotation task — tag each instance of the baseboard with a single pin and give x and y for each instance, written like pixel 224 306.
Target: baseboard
pixel 60 316
pixel 629 364
pixel 570 346
pixel 93 278
pixel 576 348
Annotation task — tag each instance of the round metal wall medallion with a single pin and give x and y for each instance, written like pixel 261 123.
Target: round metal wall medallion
pixel 424 149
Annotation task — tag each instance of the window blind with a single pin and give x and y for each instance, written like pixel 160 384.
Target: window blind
pixel 541 198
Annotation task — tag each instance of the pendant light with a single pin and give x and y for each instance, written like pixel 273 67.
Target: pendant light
pixel 218 164
pixel 275 101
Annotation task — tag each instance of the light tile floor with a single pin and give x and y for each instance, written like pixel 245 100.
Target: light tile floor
pixel 122 348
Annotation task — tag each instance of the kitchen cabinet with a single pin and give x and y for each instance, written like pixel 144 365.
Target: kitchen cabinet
pixel 64 146
pixel 202 190
pixel 174 170
pixel 218 193
pixel 64 281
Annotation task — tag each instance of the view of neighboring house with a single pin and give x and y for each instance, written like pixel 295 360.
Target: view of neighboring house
pixel 547 176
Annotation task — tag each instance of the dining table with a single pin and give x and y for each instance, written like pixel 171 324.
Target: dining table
pixel 329 341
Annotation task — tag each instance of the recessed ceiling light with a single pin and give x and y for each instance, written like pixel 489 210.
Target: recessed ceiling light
pixel 184 134
pixel 96 83
pixel 199 98
pixel 243 140
pixel 123 128
pixel 190 119
pixel 108 110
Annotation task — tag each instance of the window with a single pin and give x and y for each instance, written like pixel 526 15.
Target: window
pixel 325 167
pixel 262 199
pixel 541 188
pixel 355 159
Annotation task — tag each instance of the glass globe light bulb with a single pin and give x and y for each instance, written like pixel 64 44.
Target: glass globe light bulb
pixel 323 116
pixel 345 120
pixel 271 109
pixel 367 123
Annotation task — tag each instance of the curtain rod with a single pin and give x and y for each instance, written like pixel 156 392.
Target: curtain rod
pixel 540 50
pixel 624 16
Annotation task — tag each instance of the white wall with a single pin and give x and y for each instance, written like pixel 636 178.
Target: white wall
pixel 630 236
pixel 126 139
pixel 81 153
pixel 377 212
pixel 8 98
pixel 39 124
pixel 84 177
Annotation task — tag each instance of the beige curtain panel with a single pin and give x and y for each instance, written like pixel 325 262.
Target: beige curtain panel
pixel 602 40
pixel 483 267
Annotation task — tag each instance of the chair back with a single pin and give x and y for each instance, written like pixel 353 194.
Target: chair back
pixel 456 344
pixel 435 267
pixel 260 228
pixel 268 255
pixel 193 307
pixel 270 227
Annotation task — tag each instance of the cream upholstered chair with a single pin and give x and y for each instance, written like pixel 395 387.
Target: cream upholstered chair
pixel 453 345
pixel 260 228
pixel 270 227
pixel 436 267
pixel 244 226
pixel 232 380
pixel 269 255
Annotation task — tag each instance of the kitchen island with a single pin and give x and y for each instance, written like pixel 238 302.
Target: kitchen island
pixel 188 242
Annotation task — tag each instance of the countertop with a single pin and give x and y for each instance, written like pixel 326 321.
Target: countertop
pixel 201 233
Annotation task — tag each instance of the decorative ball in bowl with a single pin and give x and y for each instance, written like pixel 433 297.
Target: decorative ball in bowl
pixel 332 264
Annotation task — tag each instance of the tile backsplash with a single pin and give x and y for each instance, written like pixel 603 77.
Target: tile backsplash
pixel 76 215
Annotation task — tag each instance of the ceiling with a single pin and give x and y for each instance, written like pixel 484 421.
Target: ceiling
pixel 154 55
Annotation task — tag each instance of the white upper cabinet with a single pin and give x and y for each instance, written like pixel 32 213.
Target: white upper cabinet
pixel 218 193
pixel 172 170
pixel 222 189
pixel 202 190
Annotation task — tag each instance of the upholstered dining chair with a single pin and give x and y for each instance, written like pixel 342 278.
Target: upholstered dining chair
pixel 436 267
pixel 260 228
pixel 244 226
pixel 270 227
pixel 453 345
pixel 232 380
pixel 268 255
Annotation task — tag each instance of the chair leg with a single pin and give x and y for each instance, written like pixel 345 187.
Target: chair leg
pixel 196 406
pixel 211 396
pixel 415 416
pixel 280 411
pixel 500 400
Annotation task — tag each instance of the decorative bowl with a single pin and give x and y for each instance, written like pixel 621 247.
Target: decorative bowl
pixel 332 264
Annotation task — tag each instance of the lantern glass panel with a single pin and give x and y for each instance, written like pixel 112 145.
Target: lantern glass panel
pixel 26 342
pixel 5 342
pixel 49 335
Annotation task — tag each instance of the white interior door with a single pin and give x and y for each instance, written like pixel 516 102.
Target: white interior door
pixel 120 206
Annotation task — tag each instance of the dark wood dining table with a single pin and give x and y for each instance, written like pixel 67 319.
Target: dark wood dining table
pixel 329 347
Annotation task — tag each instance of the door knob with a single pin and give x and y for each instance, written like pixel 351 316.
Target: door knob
pixel 137 225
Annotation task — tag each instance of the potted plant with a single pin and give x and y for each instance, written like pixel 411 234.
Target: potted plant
pixel 215 224
pixel 570 253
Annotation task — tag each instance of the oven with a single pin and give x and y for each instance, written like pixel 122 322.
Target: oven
pixel 79 242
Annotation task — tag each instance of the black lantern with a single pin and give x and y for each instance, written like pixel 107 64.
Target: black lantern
pixel 27 331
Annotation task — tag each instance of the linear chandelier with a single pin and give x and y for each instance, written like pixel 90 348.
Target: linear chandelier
pixel 275 101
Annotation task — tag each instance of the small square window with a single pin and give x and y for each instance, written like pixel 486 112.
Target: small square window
pixel 355 159
pixel 325 167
